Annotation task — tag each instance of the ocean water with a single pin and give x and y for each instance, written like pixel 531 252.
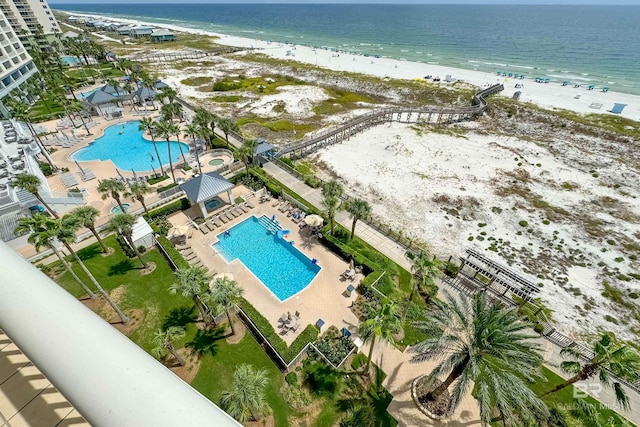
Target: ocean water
pixel 592 44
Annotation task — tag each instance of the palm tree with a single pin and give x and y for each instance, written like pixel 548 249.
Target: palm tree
pixel 86 216
pixel 122 224
pixel 609 357
pixel 383 325
pixel 228 295
pixel 247 400
pixel 112 188
pixel 175 130
pixel 137 190
pixel 20 111
pixel 331 193
pixel 193 130
pixel 169 93
pixel 480 341
pixel 41 230
pixel 147 124
pixel 358 209
pixel 66 230
pixel 164 129
pixel 425 269
pixel 193 282
pixel 246 152
pixel 227 126
pixel 170 111
pixel 30 183
pixel 164 340
pixel 202 118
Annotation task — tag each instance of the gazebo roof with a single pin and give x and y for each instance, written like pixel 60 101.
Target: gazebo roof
pixel 160 84
pixel 109 89
pixel 263 146
pixel 99 97
pixel 145 92
pixel 206 186
pixel 141 228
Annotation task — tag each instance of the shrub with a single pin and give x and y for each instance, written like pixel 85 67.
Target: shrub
pixel 46 168
pixel 166 187
pixel 130 253
pixel 322 379
pixel 178 205
pixel 291 378
pixel 74 190
pixel 633 295
pixel 287 161
pixel 611 319
pixel 358 361
pixel 618 259
pixel 225 85
pixel 175 256
pixel 539 328
pixel 482 224
pixel 451 269
pixel 312 181
pixel 158 179
pixel 142 249
pixel 523 223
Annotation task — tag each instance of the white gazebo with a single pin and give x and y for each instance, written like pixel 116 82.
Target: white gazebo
pixel 142 233
pixel 205 187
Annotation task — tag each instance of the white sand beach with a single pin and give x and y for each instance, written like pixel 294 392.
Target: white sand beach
pixel 547 95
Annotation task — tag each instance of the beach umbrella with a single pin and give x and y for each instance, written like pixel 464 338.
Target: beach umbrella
pixel 314 220
pixel 179 230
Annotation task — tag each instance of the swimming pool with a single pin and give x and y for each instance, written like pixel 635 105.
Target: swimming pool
pixel 128 149
pixel 212 204
pixel 117 210
pixel 70 60
pixel 282 268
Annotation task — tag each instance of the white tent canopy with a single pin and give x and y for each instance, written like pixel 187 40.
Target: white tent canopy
pixel 143 233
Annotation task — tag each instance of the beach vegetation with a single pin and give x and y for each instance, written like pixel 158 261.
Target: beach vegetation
pixel 226 98
pixel 196 81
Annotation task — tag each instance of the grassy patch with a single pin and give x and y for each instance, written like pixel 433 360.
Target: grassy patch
pixel 225 98
pixel 196 81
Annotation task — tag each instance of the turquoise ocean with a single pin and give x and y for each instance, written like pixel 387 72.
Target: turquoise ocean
pixel 597 45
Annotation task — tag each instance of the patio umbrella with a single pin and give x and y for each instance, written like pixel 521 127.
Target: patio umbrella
pixel 180 230
pixel 314 220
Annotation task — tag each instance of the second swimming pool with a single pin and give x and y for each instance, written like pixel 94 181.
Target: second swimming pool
pixel 279 265
pixel 125 146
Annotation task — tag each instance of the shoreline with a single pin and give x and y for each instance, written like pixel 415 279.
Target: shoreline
pixel 550 95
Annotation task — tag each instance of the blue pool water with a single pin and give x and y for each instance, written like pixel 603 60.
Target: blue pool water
pixel 282 268
pixel 125 146
pixel 70 60
pixel 212 204
pixel 117 210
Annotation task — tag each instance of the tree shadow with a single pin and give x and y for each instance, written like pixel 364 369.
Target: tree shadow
pixel 89 252
pixel 205 341
pixel 121 268
pixel 180 317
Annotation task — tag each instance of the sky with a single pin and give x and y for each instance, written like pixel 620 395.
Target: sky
pixel 564 2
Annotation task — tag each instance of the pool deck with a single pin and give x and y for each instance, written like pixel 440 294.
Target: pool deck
pixel 322 299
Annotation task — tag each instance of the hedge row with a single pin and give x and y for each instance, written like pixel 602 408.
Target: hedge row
pixel 174 254
pixel 178 205
pixel 309 334
pixel 276 188
pixel 166 187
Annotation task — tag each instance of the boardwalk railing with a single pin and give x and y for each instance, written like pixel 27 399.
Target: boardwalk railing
pixel 178 56
pixel 396 114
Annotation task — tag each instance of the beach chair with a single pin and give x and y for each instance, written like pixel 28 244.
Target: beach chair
pixel 231 214
pixel 215 222
pixel 229 217
pixel 223 218
pixel 210 226
pixel 204 229
pixel 249 204
pixel 284 207
pixel 191 256
pixel 238 211
pixel 277 202
pixel 245 208
pixel 68 180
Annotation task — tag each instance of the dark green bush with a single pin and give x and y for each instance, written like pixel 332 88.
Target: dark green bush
pixel 291 378
pixel 125 246
pixel 158 179
pixel 322 379
pixel 142 249
pixel 173 253
pixel 166 187
pixel 225 85
pixel 539 328
pixel 45 168
pixel 178 205
pixel 312 181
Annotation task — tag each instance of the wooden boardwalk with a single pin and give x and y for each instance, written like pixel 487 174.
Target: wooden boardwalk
pixel 430 114
pixel 178 56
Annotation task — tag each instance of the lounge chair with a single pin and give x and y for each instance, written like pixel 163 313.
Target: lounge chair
pixel 300 217
pixel 249 204
pixel 244 208
pixel 228 216
pixel 191 257
pixel 284 207
pixel 204 229
pixel 238 211
pixel 68 179
pixel 216 223
pixel 210 226
pixel 186 252
pixel 223 218
pixel 276 203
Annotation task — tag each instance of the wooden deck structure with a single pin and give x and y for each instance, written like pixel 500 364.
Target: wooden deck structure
pixel 178 56
pixel 436 115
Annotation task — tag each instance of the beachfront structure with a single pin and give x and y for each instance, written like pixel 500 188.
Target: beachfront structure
pixel 162 35
pixel 33 22
pixel 205 187
pixel 140 31
pixel 16 65
pixel 102 373
pixel 124 30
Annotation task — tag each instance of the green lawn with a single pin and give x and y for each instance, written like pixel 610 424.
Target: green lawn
pixel 216 370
